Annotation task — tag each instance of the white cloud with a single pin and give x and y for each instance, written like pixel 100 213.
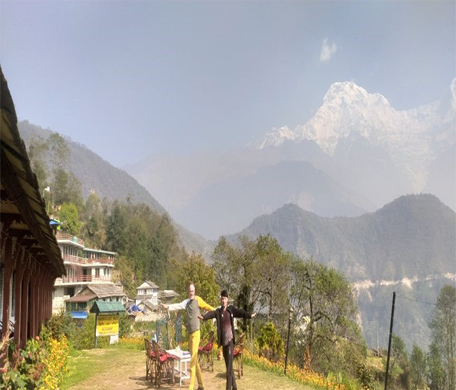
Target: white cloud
pixel 327 50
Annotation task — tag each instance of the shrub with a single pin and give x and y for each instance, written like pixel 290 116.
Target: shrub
pixel 270 343
pixel 40 365
pixel 84 337
pixel 61 324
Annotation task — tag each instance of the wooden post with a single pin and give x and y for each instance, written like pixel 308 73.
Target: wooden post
pixel 25 315
pixel 19 256
pixel 7 272
pixel 96 321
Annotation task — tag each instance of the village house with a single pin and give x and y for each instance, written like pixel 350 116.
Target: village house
pixel 147 291
pixel 148 299
pixel 84 267
pixel 80 305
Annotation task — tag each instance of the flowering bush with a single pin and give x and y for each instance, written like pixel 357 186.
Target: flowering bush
pixel 305 376
pixel 40 365
pixel 131 343
pixel 55 362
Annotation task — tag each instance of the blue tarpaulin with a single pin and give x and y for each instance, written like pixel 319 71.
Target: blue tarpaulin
pixel 82 315
pixel 136 308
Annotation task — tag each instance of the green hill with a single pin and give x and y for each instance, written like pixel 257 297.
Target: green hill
pixel 413 236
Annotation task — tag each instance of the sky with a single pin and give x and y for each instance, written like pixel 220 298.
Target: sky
pixel 133 79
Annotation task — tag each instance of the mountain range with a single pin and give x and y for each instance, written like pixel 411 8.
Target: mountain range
pixel 356 140
pixel 414 236
pixel 408 246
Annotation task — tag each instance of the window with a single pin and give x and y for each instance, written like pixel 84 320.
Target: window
pixel 97 272
pixel 68 291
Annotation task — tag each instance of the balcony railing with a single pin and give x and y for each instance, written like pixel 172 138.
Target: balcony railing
pixel 83 260
pixel 69 237
pixel 83 279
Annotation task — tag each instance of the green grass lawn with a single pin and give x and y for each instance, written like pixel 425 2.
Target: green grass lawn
pixel 116 368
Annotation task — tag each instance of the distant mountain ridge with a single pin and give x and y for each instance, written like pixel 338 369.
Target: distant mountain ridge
pixel 356 138
pixel 210 212
pixel 111 182
pixel 413 236
pixel 408 247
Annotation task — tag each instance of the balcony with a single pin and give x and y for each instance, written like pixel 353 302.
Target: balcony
pixel 69 237
pixel 82 279
pixel 83 261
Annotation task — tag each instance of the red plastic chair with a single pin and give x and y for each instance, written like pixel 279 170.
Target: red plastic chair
pixel 205 355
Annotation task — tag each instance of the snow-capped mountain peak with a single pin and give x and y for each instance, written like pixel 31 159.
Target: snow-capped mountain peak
pixel 409 137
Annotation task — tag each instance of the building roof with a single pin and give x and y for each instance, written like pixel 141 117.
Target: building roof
pixel 22 207
pixel 81 298
pixel 97 291
pixel 106 290
pixel 149 305
pixel 167 294
pixel 147 284
pixel 102 307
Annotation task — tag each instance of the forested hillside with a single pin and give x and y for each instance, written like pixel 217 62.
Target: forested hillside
pixel 408 246
pixel 97 175
pixel 413 236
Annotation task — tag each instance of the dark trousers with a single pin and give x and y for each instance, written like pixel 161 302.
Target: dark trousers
pixel 228 356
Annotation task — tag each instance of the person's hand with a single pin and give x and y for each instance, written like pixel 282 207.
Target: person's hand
pixel 253 315
pixel 200 317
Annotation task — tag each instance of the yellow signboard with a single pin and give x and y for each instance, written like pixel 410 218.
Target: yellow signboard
pixel 107 325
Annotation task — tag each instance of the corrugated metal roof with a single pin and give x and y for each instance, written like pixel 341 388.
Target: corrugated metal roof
pixel 103 307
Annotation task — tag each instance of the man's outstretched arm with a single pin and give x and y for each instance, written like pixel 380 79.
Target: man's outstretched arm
pixel 204 305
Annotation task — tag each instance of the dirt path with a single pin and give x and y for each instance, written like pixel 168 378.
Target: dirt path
pixel 110 369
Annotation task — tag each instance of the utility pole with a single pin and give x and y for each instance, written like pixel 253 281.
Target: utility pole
pixel 389 341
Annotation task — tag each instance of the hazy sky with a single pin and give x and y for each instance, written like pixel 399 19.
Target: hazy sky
pixel 132 79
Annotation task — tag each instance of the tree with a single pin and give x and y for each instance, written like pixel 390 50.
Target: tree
pixel 399 363
pixel 146 241
pixel 256 273
pixel 443 330
pixel 327 336
pixel 67 188
pixel 116 239
pixel 94 229
pixel 69 218
pixel 58 152
pixel 195 269
pixel 37 151
pixel 418 367
pixel 273 270
pixel 435 375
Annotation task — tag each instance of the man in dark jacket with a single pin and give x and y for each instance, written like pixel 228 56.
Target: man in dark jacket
pixel 225 333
